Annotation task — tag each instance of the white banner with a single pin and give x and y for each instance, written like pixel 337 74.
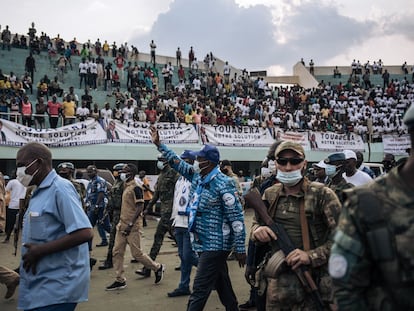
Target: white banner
pixel 82 133
pixel 297 137
pixel 328 141
pixel 139 132
pixel 397 145
pixel 239 136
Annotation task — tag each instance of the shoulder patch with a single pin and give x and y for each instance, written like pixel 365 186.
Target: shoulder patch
pixel 338 266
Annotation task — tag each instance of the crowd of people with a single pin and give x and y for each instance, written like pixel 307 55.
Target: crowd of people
pixel 205 95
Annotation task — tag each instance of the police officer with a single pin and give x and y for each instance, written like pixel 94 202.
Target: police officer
pixel 114 209
pixel 308 212
pixel 335 167
pixel 164 191
pixel 96 199
pixel 66 170
pixel 372 257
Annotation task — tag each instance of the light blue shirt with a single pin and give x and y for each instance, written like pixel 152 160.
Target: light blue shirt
pixel 55 210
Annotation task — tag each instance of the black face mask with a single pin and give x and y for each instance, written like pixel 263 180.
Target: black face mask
pixel 224 170
pixel 64 175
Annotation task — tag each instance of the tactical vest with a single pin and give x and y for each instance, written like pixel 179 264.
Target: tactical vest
pixel 388 228
pixel 318 230
pixel 115 197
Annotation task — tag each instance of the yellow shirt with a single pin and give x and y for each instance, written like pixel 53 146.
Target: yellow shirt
pixel 69 109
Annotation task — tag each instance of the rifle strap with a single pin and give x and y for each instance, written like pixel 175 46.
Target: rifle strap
pixel 304 226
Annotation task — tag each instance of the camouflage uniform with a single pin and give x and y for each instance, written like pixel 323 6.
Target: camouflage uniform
pixel 372 262
pixel 164 191
pixel 322 208
pixel 80 189
pixel 339 188
pixel 114 208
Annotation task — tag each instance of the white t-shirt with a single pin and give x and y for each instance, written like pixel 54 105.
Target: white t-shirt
pixel 17 192
pixel 358 179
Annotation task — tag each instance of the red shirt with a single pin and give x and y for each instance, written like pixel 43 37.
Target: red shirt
pixel 53 108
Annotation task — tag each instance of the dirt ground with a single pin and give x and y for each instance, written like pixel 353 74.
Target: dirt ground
pixel 140 294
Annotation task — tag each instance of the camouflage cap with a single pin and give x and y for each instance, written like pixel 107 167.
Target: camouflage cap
pixel 409 117
pixel 290 145
pixel 68 165
pixel 118 166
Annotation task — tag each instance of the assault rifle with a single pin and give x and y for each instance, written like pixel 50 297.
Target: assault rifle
pixel 303 274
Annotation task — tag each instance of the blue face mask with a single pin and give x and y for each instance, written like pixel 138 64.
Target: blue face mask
pixel 330 170
pixel 289 178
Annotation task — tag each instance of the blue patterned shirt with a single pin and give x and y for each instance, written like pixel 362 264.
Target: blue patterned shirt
pixel 219 219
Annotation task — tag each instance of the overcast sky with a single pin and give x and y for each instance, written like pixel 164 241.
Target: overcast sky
pixel 253 34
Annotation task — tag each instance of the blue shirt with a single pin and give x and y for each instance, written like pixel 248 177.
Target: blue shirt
pixel 219 221
pixel 95 186
pixel 54 211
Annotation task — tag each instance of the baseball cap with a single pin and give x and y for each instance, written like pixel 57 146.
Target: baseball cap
pixel 320 164
pixel 334 157
pixel 349 154
pixel 409 117
pixel 290 145
pixel 68 165
pixel 187 154
pixel 118 166
pixel 225 163
pixel 208 152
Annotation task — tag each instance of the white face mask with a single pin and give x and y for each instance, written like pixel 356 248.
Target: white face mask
pixel 197 168
pixel 123 176
pixel 265 172
pixel 289 178
pixel 271 165
pixel 22 177
pixel 160 165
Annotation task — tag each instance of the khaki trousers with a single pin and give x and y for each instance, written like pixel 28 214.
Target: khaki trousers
pixel 134 242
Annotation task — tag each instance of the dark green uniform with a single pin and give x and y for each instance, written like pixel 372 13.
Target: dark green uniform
pixel 114 208
pixel 372 263
pixel 164 191
pixel 322 208
pixel 340 187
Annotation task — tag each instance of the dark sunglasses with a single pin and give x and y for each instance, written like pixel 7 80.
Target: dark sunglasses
pixel 285 161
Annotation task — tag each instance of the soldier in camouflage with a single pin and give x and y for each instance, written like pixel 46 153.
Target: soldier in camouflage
pixel 164 191
pixel 66 170
pixel 308 212
pixel 114 209
pixel 372 264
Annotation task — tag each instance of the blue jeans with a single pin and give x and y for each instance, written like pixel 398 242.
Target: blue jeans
pixel 102 227
pixel 187 255
pixel 212 272
pixel 57 307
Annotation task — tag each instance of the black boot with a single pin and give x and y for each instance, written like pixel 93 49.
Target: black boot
pixel 146 273
pixel 106 265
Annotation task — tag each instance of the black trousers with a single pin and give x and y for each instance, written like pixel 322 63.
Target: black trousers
pixel 10 220
pixel 212 273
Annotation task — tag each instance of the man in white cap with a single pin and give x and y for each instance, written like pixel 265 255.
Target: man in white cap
pixel 320 173
pixel 352 174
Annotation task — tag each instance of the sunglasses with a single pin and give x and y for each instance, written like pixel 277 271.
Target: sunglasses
pixel 285 161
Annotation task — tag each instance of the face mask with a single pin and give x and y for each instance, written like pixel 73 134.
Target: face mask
pixel 123 176
pixel 224 170
pixel 330 170
pixel 289 178
pixel 265 172
pixel 160 165
pixel 22 177
pixel 271 165
pixel 196 166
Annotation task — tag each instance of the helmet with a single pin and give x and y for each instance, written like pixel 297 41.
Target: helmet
pixel 68 165
pixel 118 166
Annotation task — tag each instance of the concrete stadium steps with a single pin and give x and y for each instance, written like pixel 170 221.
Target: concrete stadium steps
pixel 375 79
pixel 14 61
